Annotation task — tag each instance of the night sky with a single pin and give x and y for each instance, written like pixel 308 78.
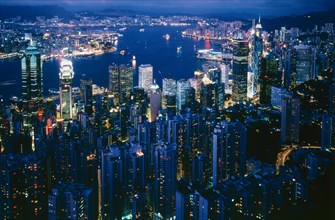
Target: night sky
pixel 265 7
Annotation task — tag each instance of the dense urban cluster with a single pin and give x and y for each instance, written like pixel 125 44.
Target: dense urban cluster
pixel 248 137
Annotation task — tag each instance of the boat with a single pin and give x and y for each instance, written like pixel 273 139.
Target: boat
pixel 122 52
pixel 123 29
pixel 166 36
pixel 179 49
pixel 142 30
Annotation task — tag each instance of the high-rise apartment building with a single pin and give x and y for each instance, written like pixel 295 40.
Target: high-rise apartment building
pixel 71 201
pixel 229 151
pixel 290 119
pixel 165 181
pixel 328 132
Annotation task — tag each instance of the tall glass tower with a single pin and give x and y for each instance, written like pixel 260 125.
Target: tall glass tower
pixel 66 75
pixel 183 90
pixel 32 81
pixel 145 76
pixel 120 83
pixel 240 70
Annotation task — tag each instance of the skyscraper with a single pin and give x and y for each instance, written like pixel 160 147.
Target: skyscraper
pixel 155 101
pixel 268 77
pixel 183 90
pixel 229 151
pixel 112 206
pixel 71 201
pixel 256 54
pixel 207 94
pixel 331 107
pixel 305 66
pixel 66 75
pixel 165 181
pixel 240 70
pixel 290 119
pixel 169 95
pixel 145 76
pixel 328 132
pixel 120 83
pixel 86 93
pixel 32 82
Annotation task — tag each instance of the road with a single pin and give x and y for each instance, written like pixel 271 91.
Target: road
pixel 287 150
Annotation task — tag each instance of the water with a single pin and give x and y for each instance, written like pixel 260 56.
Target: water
pixel 149 47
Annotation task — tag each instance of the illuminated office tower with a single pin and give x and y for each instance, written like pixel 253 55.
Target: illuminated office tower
pixel 145 76
pixel 86 93
pixel 169 95
pixel 256 54
pixel 165 181
pixel 183 90
pixel 219 96
pixel 71 201
pixel 259 28
pixel 66 75
pixel 32 82
pixel 195 84
pixel 268 77
pixel 120 83
pixel 328 132
pixel 225 68
pixel 169 86
pixel 290 118
pixel 126 81
pixel 290 62
pixel 207 93
pixel 305 63
pixel 155 101
pixel 240 70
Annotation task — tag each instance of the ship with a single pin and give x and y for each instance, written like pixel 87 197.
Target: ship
pixel 142 30
pixel 134 58
pixel 179 49
pixel 122 52
pixel 166 36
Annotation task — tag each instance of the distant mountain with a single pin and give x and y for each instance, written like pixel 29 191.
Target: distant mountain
pixel 305 21
pixel 230 16
pixel 30 12
pixel 119 12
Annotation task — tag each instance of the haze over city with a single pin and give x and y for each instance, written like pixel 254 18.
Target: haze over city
pixel 264 7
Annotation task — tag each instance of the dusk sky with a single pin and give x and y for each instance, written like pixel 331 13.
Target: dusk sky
pixel 265 7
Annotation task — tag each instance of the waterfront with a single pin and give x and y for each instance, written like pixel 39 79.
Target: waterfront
pixel 149 47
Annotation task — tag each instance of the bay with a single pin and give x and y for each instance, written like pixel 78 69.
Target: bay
pixel 149 47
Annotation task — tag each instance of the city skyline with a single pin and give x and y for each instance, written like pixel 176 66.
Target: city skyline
pixel 180 117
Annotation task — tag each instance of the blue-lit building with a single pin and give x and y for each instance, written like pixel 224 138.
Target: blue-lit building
pixel 327 132
pixel 290 119
pixel 165 182
pixel 71 201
